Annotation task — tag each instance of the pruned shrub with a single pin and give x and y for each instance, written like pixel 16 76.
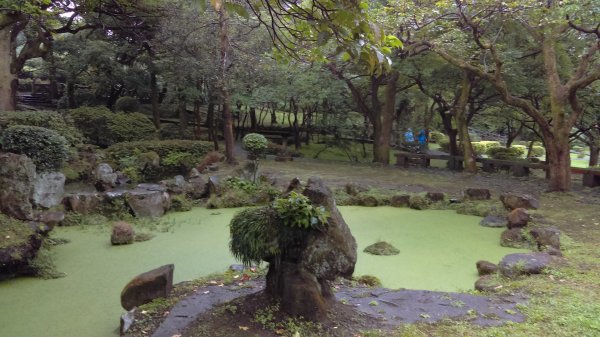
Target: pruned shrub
pixel 505 153
pixel 537 151
pixel 436 137
pixel 173 131
pixel 62 124
pixel 104 128
pixel 173 156
pixel 127 104
pixel 254 235
pixel 255 143
pixel 47 149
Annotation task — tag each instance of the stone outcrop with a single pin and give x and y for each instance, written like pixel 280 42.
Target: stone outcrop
pixel 402 200
pixel 17 176
pixel 488 284
pixel 435 196
pixel 148 202
pixel 546 237
pixel 514 238
pixel 512 201
pixel 300 280
pixel 514 265
pixel 84 202
pixel 493 221
pixel 145 287
pixel 48 189
pixel 104 177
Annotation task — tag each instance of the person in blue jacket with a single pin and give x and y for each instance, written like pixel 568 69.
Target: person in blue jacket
pixel 409 138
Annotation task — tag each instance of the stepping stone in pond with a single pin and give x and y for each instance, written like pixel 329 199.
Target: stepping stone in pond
pixel 381 248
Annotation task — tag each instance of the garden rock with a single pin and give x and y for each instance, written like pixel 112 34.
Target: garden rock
pixel 17 176
pixel 435 196
pixel 294 185
pixel 177 185
pixel 512 201
pixel 48 189
pixel 546 237
pixel 513 265
pixel 493 221
pixel 148 286
pixel 194 173
pixel 214 187
pixel 50 218
pixel 148 203
pixel 368 201
pixel 418 202
pixel 151 187
pixel 381 248
pixel 488 284
pixel 354 189
pixel 400 200
pixel 486 268
pixel 477 194
pixel 104 177
pixel 518 218
pixel 301 281
pixel 513 238
pixel 122 233
pixel 197 187
pixel 84 202
pixel 127 320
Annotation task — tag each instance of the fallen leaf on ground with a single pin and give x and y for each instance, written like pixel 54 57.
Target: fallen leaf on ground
pixel 244 328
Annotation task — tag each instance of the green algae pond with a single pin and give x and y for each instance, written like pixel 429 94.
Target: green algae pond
pixel 438 251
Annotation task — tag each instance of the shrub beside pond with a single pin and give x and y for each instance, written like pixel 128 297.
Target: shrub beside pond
pixel 62 124
pixel 47 149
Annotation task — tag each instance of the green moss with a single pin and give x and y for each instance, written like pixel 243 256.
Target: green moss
pixel 369 280
pixel 13 232
pixel 179 203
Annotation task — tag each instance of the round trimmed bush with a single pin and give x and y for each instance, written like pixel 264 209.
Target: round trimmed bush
pixel 53 120
pixel 255 143
pixel 47 149
pixel 127 104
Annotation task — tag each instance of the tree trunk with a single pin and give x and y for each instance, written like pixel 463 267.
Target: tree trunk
pixel 461 122
pixel 210 124
pixel 224 58
pixel 182 109
pixel 154 100
pixel 594 154
pixel 384 122
pixel 72 104
pixel 8 79
pixel 253 123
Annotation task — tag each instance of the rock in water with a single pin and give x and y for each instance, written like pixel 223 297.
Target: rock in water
pixel 486 267
pixel 17 176
pixel 148 203
pixel 381 248
pixel 122 233
pixel 145 287
pixel 513 265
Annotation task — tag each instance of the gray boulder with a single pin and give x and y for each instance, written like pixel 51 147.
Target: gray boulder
pixel 48 189
pixel 546 237
pixel 104 177
pixel 197 187
pixel 148 286
pixel 17 176
pixel 514 265
pixel 300 281
pixel 147 203
pixel 512 201
pixel 400 200
pixel 214 187
pixel 486 268
pixel 50 218
pixel 493 221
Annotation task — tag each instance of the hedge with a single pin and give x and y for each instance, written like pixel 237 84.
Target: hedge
pixel 62 124
pixel 47 149
pixel 505 153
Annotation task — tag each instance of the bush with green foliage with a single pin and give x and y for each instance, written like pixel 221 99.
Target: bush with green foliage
pixel 296 210
pixel 53 120
pixel 156 159
pixel 436 137
pixel 127 104
pixel 505 153
pixel 104 128
pixel 538 151
pixel 254 235
pixel 47 149
pixel 179 203
pixel 255 143
pixel 173 131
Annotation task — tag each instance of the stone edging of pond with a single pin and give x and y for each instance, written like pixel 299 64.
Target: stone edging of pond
pixel 389 307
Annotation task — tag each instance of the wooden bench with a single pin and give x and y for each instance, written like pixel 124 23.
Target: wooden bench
pixel 518 168
pixel 591 177
pixel 403 159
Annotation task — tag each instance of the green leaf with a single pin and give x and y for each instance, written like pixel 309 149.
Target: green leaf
pixel 393 41
pixel 323 37
pixel 237 9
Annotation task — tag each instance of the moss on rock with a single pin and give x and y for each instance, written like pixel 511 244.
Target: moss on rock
pixel 381 248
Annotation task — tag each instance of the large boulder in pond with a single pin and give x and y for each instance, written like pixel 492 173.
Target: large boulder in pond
pixel 300 280
pixel 512 201
pixel 17 176
pixel 148 286
pixel 148 203
pixel 48 189
pixel 514 265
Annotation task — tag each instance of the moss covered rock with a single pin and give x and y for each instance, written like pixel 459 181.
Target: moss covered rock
pixel 381 248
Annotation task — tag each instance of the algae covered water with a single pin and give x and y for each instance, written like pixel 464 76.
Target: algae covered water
pixel 438 251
